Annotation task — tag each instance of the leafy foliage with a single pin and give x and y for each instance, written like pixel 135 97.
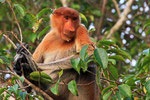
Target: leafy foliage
pixel 123 61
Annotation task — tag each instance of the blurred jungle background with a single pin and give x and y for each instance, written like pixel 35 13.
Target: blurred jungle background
pixel 120 27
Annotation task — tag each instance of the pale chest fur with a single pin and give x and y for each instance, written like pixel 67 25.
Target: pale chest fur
pixel 59 53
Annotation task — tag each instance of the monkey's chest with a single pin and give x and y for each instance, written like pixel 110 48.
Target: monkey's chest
pixel 59 53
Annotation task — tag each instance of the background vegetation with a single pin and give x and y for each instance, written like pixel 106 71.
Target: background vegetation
pixel 119 28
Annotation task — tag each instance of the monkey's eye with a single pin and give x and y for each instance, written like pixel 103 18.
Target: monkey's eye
pixel 66 17
pixel 74 18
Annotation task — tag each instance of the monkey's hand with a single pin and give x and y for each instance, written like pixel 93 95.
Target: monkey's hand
pixel 21 63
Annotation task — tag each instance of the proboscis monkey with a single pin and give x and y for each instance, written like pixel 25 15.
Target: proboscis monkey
pixel 67 36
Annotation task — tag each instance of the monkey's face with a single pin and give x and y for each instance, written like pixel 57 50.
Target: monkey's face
pixel 70 26
pixel 67 22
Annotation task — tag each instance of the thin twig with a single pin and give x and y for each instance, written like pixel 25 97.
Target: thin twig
pixel 64 3
pixel 56 61
pixel 29 83
pixel 38 89
pixel 89 83
pixel 20 31
pixel 121 20
pixel 24 87
pixel 139 93
pixel 10 94
pixel 6 37
pixel 86 83
pixel 20 42
pixel 117 8
pixel 112 75
pixel 101 18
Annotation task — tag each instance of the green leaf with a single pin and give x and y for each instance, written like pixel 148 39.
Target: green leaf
pixel 20 9
pixel 7 96
pixel 113 71
pixel 83 52
pixel 44 78
pixel 125 90
pixel 147 32
pixel 14 78
pixel 1 61
pixel 146 25
pixel 31 97
pixel 101 57
pixel 43 31
pixel 97 13
pixel 73 87
pixel 75 6
pixel 83 17
pixel 5 59
pixel 21 79
pixel 23 95
pixel 33 37
pixel 42 74
pixel 60 73
pixel 117 57
pixel 118 96
pixel 112 61
pixel 75 64
pixel 98 81
pixel 43 11
pixel 107 88
pixel 137 28
pixel 38 96
pixel 54 89
pixel 92 30
pixel 84 65
pixel 106 95
pixel 147 97
pixel 146 60
pixel 2 90
pixel 106 43
pixel 131 81
pixel 146 52
pixel 147 86
pixel 120 52
pixel 139 60
pixel 128 77
pixel 32 20
pixel 14 88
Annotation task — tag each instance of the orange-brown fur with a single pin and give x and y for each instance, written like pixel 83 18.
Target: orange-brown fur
pixel 66 37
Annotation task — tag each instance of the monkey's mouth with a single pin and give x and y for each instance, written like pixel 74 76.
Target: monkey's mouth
pixel 68 35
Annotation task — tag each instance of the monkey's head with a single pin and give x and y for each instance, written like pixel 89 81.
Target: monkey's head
pixel 66 21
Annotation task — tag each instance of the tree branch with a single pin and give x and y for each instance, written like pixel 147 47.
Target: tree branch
pixel 6 37
pixel 101 18
pixel 117 8
pixel 29 83
pixel 121 20
pixel 20 31
pixel 64 3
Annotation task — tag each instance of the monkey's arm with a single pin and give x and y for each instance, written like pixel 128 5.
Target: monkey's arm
pixel 38 54
pixel 82 39
pixel 23 61
pixel 63 63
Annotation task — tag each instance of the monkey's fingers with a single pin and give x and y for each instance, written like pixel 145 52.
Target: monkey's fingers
pixel 21 49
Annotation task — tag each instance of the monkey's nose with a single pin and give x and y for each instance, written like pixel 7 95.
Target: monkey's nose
pixel 71 29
